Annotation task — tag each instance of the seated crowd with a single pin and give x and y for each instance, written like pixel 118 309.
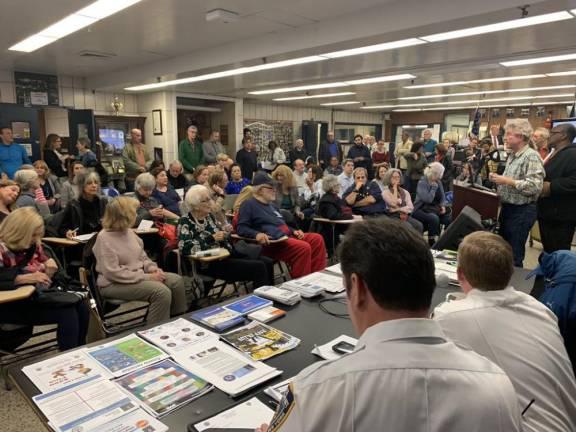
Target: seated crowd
pixel 257 214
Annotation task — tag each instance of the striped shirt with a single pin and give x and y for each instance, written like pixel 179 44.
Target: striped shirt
pixel 526 168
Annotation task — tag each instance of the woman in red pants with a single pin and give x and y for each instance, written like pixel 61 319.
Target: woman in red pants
pixel 305 253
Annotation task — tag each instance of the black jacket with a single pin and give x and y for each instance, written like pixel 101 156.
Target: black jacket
pixel 324 153
pixel 330 207
pixel 248 162
pixel 561 173
pixel 54 163
pixel 72 217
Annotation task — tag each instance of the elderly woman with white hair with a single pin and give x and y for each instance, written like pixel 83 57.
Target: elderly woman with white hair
pixel 430 204
pixel 29 183
pixel 125 271
pixel 332 207
pixel 199 231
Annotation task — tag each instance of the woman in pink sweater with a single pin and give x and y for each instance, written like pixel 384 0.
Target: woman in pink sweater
pixel 125 271
pixel 398 199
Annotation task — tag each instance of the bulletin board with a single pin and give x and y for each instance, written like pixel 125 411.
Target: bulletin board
pixel 264 131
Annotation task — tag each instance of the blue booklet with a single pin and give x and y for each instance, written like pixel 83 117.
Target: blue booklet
pixel 248 304
pixel 218 317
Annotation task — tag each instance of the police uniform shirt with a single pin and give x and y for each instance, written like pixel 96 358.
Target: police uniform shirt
pixel 404 376
pixel 521 335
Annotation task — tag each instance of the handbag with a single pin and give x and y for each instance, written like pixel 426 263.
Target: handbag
pixel 8 274
pixel 243 249
pixel 166 231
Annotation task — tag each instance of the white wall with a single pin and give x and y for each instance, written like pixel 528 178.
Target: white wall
pixel 168 141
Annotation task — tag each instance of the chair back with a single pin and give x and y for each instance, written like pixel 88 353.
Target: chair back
pixel 229 201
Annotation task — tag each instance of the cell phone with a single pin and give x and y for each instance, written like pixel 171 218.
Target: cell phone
pixel 343 347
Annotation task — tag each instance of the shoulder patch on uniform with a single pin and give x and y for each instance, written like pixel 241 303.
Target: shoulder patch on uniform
pixel 283 411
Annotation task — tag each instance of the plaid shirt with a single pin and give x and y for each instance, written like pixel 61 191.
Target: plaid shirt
pixel 527 169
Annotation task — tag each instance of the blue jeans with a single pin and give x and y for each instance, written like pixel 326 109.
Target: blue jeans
pixel 431 221
pixel 516 221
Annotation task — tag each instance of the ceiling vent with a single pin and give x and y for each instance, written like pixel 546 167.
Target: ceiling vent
pixel 95 54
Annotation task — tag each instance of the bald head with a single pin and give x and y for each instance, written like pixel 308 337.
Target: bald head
pixel 562 135
pixel 136 136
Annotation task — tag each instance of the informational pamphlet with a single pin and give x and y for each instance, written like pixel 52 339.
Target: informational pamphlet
pixel 84 405
pixel 176 335
pixel 248 415
pixel 260 341
pixel 335 269
pixel 223 366
pixel 135 421
pixel 267 314
pixel 278 294
pixel 163 387
pixel 277 391
pixel 315 284
pixel 248 304
pixel 62 370
pixel 217 317
pixel 125 355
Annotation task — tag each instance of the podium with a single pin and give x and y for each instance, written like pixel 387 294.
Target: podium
pixel 484 202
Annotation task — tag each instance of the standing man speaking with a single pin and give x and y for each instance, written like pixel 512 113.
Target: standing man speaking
pixel 557 203
pixel 519 187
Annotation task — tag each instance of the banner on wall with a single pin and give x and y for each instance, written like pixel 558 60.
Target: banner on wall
pixel 34 89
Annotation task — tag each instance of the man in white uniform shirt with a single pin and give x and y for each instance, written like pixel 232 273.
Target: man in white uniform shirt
pixel 514 330
pixel 404 375
pixel 346 179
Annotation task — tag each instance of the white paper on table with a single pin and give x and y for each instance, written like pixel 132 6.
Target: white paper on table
pixel 83 238
pixel 335 269
pixel 180 192
pixel 277 391
pixel 327 353
pixel 62 370
pixel 84 405
pixel 145 225
pixel 135 421
pixel 224 367
pixel 125 355
pixel 177 335
pixel 327 282
pixel 248 415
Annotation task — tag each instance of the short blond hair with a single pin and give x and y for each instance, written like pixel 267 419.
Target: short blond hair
pixel 245 194
pixel 41 164
pixel 120 214
pixel 18 228
pixel 486 260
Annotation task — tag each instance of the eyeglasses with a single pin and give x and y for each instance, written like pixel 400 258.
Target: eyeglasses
pixel 266 187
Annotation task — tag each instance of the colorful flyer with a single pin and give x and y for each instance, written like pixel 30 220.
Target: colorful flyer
pixel 176 335
pixel 125 355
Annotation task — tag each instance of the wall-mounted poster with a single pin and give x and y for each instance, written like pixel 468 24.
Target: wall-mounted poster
pixel 21 130
pixel 34 89
pixel 264 131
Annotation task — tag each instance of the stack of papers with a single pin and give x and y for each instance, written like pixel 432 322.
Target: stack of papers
pixel 260 341
pixel 248 415
pixel 278 294
pixel 335 269
pixel 125 355
pixel 218 317
pixel 177 335
pixel 447 268
pixel 83 238
pixel 315 284
pixel 267 314
pixel 163 387
pixel 226 368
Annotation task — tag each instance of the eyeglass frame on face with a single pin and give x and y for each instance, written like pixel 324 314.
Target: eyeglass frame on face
pixel 269 187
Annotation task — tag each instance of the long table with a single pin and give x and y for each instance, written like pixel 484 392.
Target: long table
pixel 304 320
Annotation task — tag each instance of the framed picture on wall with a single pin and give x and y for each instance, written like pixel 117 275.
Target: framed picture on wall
pixel 157 122
pixel 158 153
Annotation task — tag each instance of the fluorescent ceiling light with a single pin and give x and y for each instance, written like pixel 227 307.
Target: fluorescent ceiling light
pixel 496 27
pixel 478 81
pixel 299 88
pixel 104 8
pixel 413 126
pixel 481 92
pixel 340 103
pixel 565 73
pixel 315 96
pixel 374 48
pixel 531 104
pixel 537 60
pixel 32 43
pixel 468 101
pixel 380 79
pixel 385 78
pixel 72 23
pixel 286 63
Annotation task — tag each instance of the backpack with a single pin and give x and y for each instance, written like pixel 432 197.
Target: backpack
pixel 559 272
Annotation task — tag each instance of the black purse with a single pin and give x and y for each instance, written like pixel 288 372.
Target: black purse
pixel 8 274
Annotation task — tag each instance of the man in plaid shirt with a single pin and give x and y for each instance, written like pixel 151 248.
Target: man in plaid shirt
pixel 519 187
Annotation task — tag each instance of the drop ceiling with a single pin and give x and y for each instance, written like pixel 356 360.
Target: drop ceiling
pixel 170 39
